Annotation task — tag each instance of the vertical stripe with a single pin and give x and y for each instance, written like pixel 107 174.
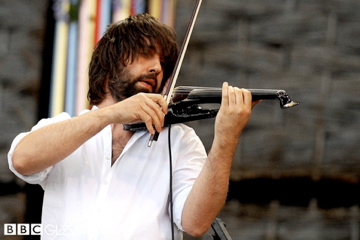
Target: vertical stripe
pixel 155 8
pixel 70 94
pixel 121 9
pixel 85 43
pixel 105 16
pixel 59 63
pixel 132 7
pixel 97 18
pixel 140 6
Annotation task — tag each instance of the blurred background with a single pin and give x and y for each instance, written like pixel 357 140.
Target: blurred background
pixel 296 172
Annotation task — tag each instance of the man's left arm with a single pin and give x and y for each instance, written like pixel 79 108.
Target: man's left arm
pixel 209 191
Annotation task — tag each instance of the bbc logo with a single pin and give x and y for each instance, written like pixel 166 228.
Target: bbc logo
pixel 22 229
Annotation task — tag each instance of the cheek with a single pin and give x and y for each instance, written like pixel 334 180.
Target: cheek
pixel 131 71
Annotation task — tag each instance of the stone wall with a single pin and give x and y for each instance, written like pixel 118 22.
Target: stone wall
pixel 296 171
pixel 22 31
pixel 308 48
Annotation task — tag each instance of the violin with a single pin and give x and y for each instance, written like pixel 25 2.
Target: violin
pixel 187 104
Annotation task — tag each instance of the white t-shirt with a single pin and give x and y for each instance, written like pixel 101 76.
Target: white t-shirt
pixel 87 198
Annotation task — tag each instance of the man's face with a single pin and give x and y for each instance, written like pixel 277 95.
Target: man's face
pixel 144 74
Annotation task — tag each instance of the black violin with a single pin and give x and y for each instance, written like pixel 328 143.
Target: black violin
pixel 187 104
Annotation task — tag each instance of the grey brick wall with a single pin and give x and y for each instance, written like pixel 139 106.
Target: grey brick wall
pixel 310 49
pixel 21 44
pixel 21 35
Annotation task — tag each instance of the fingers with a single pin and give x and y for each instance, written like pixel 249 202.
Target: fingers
pixel 233 95
pixel 224 97
pixel 247 97
pixel 143 107
pixel 160 101
pixel 233 114
pixel 153 111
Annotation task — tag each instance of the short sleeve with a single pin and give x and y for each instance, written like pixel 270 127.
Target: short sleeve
pixel 191 156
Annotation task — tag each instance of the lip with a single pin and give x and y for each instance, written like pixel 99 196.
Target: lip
pixel 148 83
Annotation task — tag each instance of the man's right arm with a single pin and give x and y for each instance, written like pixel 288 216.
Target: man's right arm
pixel 50 144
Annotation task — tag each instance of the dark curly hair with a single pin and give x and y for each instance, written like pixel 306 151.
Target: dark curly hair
pixel 123 42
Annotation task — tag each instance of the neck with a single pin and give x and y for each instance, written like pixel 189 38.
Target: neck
pixel 107 101
pixel 120 138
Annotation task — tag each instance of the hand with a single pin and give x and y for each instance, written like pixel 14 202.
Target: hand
pixel 142 107
pixel 234 113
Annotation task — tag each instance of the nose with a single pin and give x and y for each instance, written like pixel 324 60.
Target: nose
pixel 155 65
pixel 156 68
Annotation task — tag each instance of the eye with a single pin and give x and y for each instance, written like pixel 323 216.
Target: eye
pixel 147 54
pixel 144 54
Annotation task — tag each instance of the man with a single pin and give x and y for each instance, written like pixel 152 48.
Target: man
pixel 102 182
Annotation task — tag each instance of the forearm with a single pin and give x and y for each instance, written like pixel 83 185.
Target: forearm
pixel 50 144
pixel 209 192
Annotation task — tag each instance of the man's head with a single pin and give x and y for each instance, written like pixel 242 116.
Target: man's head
pixel 124 42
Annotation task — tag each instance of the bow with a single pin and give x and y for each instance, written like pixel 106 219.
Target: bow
pixel 186 103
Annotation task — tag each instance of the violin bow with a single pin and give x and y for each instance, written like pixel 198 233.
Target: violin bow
pixel 168 91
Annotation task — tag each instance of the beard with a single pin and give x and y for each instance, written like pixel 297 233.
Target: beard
pixel 125 86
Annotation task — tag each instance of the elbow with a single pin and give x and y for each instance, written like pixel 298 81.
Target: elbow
pixel 196 233
pixel 19 164
pixel 196 230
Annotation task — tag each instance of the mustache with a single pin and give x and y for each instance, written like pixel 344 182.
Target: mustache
pixel 147 76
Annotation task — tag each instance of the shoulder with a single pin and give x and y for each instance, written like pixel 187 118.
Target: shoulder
pixel 181 130
pixel 185 136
